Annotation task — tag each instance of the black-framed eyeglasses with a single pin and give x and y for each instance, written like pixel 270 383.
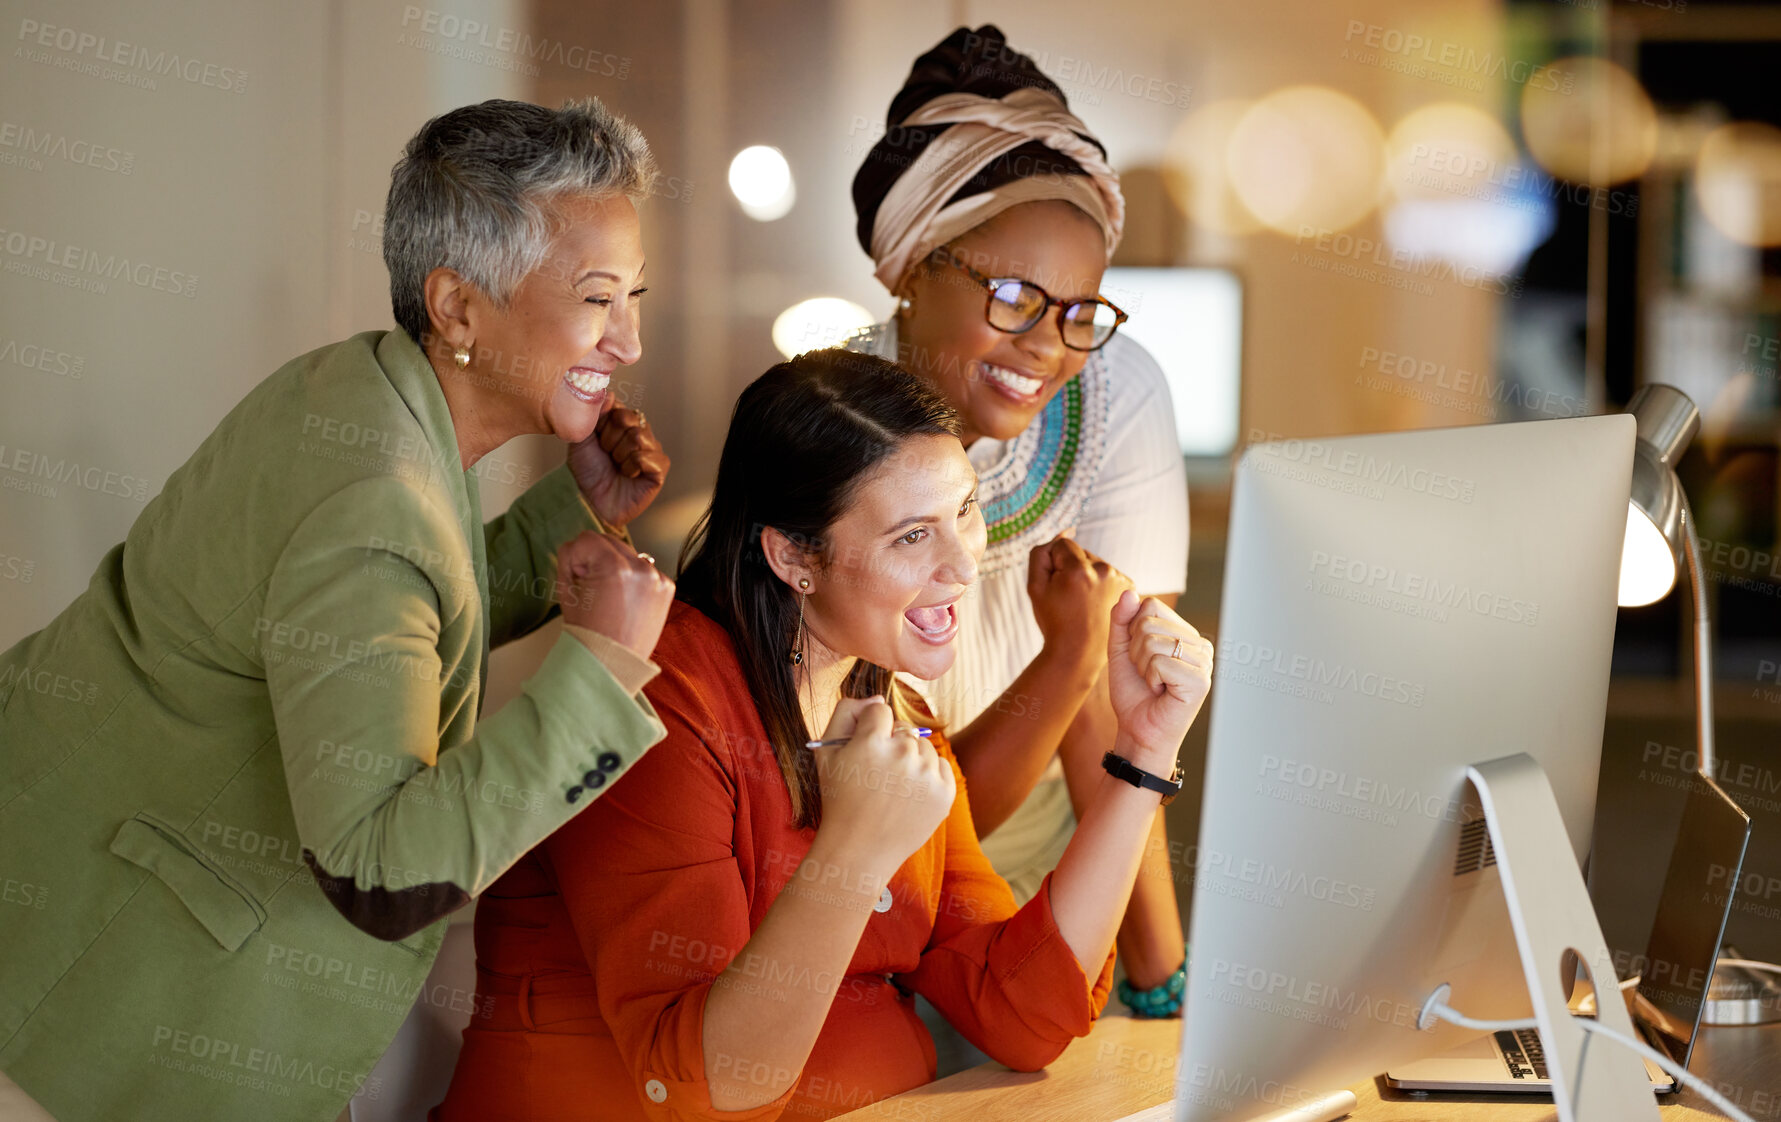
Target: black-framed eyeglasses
pixel 1017 305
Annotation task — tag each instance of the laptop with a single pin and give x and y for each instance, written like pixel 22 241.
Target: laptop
pixel 1668 996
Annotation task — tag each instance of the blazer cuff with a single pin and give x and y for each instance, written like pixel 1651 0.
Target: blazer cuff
pixel 631 670
pixel 589 705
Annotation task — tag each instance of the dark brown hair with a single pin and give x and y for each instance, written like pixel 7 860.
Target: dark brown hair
pixel 803 437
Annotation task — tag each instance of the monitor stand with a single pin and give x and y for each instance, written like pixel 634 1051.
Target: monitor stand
pixel 1737 996
pixel 1593 1080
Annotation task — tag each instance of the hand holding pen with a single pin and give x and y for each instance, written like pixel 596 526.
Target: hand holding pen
pixel 885 790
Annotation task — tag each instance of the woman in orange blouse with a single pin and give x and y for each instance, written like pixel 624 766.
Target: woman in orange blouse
pixel 736 931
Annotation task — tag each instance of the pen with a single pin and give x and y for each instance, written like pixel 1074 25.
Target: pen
pixel 833 741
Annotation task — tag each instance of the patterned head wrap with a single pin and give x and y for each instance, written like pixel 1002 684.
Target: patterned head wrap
pixel 977 128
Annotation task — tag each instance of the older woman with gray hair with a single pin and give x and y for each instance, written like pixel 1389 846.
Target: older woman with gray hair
pixel 244 772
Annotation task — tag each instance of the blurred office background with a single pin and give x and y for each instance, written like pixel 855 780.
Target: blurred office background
pixel 1378 215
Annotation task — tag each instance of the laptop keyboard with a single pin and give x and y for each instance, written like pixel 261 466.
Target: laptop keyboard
pixel 1522 1053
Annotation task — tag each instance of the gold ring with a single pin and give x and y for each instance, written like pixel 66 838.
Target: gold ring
pixel 1176 653
pixel 651 558
pixel 641 422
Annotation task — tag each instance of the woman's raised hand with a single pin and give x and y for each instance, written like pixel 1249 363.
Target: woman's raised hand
pixel 1159 670
pixel 1072 591
pixel 885 791
pixel 620 467
pixel 604 586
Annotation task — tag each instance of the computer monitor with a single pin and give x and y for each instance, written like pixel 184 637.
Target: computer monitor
pixel 1397 608
pixel 1191 322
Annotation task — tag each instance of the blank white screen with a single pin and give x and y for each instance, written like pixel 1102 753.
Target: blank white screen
pixel 1191 320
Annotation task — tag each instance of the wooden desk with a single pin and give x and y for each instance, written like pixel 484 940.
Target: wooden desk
pixel 1126 1064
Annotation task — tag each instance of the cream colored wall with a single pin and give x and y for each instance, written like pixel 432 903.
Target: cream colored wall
pixel 252 193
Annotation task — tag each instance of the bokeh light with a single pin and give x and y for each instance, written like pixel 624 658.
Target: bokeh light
pixel 821 321
pixel 1307 158
pixel 1738 181
pixel 761 180
pixel 1589 121
pixel 1195 171
pixel 1449 151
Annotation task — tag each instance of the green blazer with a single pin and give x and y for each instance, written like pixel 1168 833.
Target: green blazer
pixel 242 777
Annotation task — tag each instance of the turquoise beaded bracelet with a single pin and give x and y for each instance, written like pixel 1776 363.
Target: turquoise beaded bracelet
pixel 1159 1001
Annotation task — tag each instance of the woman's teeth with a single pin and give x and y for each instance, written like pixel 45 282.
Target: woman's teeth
pixel 1019 383
pixel 587 383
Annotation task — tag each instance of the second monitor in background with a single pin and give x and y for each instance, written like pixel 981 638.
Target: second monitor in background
pixel 1191 322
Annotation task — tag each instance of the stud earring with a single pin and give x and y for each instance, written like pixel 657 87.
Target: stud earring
pixel 904 304
pixel 797 651
pixel 461 356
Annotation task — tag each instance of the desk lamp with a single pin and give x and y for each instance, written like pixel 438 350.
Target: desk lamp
pixel 1660 535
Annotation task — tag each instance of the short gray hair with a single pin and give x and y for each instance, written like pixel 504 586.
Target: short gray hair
pixel 471 190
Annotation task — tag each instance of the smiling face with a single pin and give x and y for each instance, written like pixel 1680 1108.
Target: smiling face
pixel 899 559
pixel 999 382
pixel 544 363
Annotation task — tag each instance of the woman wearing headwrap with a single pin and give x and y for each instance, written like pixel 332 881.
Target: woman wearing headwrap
pixel 990 212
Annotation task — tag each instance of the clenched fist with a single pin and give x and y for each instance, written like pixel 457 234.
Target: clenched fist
pixel 1159 671
pixel 885 791
pixel 1073 593
pixel 604 586
pixel 620 467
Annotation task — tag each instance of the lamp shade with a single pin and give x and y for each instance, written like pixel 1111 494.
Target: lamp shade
pixel 1666 421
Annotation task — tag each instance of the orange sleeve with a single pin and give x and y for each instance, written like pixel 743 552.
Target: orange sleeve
pixel 649 877
pixel 1004 977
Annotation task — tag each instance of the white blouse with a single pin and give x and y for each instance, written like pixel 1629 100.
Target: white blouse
pixel 1101 457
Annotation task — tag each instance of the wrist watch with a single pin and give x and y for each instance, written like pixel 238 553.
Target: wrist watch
pixel 1121 768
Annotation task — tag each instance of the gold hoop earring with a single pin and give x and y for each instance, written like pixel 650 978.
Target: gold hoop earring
pixel 461 356
pixel 797 651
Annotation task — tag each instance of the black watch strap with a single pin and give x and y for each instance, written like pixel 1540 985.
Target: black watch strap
pixel 1122 768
